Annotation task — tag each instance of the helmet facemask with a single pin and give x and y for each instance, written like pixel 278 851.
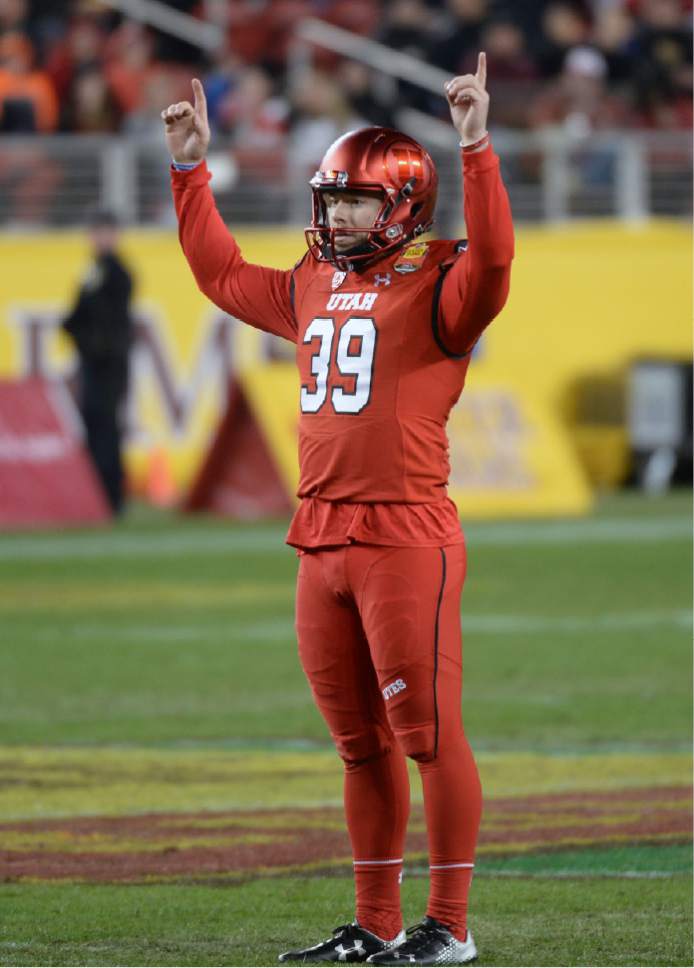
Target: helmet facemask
pixel 381 236
pixel 375 161
pixel 408 199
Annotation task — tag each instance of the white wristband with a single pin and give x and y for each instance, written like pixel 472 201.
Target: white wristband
pixel 183 166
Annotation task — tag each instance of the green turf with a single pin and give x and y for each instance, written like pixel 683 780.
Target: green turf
pixel 661 860
pixel 532 921
pixel 164 632
pixel 178 633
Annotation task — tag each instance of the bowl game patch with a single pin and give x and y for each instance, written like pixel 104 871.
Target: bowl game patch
pixel 412 258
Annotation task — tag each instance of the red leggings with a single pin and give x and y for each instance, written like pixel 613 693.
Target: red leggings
pixel 380 642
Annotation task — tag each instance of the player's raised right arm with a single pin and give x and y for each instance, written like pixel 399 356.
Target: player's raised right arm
pixel 187 128
pixel 255 294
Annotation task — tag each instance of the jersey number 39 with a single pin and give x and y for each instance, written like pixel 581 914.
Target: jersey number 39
pixel 357 331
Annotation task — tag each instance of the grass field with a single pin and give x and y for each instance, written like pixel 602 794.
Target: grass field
pixel 168 794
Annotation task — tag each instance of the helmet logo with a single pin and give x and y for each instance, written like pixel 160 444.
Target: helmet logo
pixel 409 163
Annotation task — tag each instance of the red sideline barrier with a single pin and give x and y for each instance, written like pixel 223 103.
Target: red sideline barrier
pixel 238 477
pixel 45 475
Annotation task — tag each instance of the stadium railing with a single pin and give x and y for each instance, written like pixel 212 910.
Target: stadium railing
pixel 54 181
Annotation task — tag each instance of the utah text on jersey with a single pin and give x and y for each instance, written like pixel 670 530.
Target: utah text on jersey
pixel 352 300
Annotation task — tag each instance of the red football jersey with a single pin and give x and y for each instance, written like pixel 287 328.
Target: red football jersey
pixel 382 355
pixel 376 385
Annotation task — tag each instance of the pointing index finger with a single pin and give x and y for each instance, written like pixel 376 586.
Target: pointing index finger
pixel 481 74
pixel 200 99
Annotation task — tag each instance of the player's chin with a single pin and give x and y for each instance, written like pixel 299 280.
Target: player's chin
pixel 344 243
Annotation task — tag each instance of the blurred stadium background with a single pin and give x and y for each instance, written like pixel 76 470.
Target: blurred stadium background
pixel 155 728
pixel 591 115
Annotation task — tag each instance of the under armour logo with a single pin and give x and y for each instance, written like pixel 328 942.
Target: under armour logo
pixel 343 953
pixel 383 280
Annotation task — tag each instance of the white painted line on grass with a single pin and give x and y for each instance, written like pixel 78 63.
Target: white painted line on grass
pixel 128 545
pixel 561 875
pixel 283 628
pixel 618 622
pixel 589 531
pixel 270 540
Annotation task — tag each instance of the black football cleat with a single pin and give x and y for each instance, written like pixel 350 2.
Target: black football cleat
pixel 349 942
pixel 428 943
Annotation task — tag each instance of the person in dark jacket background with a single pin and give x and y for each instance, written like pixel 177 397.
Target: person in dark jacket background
pixel 101 328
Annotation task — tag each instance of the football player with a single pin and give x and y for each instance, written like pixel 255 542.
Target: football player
pixel 384 324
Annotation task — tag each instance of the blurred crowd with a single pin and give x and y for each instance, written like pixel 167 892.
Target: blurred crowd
pixel 592 64
pixel 80 66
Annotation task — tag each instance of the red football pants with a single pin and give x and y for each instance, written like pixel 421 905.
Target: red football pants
pixel 380 642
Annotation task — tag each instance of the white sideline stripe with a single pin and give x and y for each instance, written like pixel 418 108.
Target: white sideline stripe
pixel 571 875
pixel 519 624
pixel 445 867
pixel 110 544
pixel 278 629
pixel 356 863
pixel 567 874
pixel 581 531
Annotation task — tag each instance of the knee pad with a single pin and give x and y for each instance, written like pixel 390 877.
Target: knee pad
pixel 413 716
pixel 411 707
pixel 418 742
pixel 359 747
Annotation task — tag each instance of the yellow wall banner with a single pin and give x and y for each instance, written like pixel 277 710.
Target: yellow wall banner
pixel 508 454
pixel 585 299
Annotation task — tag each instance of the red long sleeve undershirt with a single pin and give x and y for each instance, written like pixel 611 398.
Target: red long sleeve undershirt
pixel 255 294
pixel 473 293
pixel 476 287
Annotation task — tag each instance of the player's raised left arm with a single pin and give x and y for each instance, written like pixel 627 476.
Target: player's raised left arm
pixel 476 287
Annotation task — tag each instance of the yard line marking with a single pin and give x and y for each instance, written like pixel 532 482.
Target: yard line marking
pixel 588 531
pixel 519 624
pixel 569 874
pixel 281 628
pixel 80 594
pixel 270 540
pixel 175 632
pixel 101 544
pixel 562 875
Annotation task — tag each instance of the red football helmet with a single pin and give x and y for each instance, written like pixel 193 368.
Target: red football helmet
pixel 374 160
